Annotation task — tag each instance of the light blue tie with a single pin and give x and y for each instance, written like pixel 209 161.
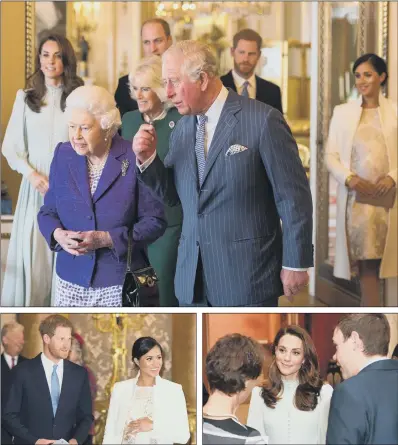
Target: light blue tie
pixel 200 146
pixel 55 391
pixel 245 91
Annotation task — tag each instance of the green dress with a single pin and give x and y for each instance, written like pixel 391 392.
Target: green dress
pixel 163 252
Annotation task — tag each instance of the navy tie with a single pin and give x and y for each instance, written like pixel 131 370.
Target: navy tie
pixel 245 91
pixel 55 391
pixel 200 146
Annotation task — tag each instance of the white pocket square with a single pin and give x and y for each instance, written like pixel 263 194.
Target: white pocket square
pixel 234 149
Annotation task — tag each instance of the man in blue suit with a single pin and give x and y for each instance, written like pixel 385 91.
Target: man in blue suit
pixel 49 397
pixel 364 408
pixel 234 166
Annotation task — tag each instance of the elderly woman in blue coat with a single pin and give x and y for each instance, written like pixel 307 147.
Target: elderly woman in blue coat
pixel 93 201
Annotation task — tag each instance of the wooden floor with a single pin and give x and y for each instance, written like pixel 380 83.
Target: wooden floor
pixel 302 299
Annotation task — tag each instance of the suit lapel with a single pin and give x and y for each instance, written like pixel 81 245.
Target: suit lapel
pixel 222 132
pixel 42 385
pixel 112 169
pixel 78 170
pixel 66 384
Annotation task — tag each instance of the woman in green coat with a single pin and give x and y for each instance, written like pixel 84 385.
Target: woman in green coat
pixel 146 87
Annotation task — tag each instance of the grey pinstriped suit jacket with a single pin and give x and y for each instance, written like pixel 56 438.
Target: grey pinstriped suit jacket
pixel 234 218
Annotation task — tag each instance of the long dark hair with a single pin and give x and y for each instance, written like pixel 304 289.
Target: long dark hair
pixel 310 383
pixel 35 84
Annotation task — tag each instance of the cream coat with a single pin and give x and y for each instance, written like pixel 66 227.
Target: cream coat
pixel 343 127
pixel 170 418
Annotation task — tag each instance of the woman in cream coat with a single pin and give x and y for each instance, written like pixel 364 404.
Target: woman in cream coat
pixel 362 156
pixel 147 409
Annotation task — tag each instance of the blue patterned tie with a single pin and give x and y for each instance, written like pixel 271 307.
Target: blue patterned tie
pixel 55 391
pixel 245 91
pixel 200 146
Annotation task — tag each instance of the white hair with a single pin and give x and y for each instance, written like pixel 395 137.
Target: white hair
pixel 197 58
pixel 150 71
pixel 11 327
pixel 99 103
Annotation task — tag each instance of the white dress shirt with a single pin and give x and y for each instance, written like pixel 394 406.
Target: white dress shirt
pixel 239 81
pixel 48 369
pixel 8 360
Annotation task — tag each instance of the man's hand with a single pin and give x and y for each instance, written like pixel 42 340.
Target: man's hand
pixel 45 441
pixel 39 182
pixel 383 186
pixel 293 282
pixel 141 425
pixel 144 143
pixel 73 442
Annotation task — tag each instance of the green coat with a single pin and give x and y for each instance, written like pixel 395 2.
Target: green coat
pixel 163 252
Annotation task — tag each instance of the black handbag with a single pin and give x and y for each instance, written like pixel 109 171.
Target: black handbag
pixel 139 287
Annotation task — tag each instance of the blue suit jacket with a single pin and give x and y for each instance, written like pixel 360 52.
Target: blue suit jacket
pixel 364 408
pixel 234 217
pixel 28 413
pixel 68 204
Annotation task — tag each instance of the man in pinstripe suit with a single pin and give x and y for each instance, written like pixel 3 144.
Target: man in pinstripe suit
pixel 234 166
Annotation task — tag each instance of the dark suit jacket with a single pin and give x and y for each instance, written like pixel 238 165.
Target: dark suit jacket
pixel 233 218
pixel 123 99
pixel 364 408
pixel 119 204
pixel 6 379
pixel 28 413
pixel 266 92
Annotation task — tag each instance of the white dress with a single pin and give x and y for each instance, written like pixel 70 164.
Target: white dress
pixel 141 406
pixel 28 146
pixel 285 424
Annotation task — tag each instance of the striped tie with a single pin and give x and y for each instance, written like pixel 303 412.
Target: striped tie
pixel 200 146
pixel 55 390
pixel 245 91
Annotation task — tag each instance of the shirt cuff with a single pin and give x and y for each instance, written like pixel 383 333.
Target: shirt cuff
pixel 295 269
pixel 142 167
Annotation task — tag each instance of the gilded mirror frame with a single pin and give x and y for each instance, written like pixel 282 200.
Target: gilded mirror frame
pixel 327 288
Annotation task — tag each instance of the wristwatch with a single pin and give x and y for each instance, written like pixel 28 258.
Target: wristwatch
pixel 348 179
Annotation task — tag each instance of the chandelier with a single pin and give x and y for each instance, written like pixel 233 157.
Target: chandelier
pixel 192 9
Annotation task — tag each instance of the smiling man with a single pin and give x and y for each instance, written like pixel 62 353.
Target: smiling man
pixel 50 396
pixel 246 52
pixel 364 408
pixel 156 39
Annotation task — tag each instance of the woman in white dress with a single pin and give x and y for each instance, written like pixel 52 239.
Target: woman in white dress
pixel 293 405
pixel 147 409
pixel 36 125
pixel 362 156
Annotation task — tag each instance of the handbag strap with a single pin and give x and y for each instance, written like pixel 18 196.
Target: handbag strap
pixel 130 236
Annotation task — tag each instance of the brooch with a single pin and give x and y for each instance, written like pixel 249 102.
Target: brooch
pixel 125 166
pixel 172 124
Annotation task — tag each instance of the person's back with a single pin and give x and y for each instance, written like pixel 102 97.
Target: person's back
pixel 229 431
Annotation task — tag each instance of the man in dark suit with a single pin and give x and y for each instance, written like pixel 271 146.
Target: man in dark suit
pixel 49 396
pixel 234 166
pixel 364 408
pixel 12 339
pixel 246 52
pixel 156 38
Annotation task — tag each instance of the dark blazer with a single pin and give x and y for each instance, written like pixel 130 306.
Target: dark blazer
pixel 364 408
pixel 68 204
pixel 6 379
pixel 233 218
pixel 123 99
pixel 28 414
pixel 266 92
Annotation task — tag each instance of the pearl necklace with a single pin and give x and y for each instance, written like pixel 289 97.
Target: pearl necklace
pixel 96 168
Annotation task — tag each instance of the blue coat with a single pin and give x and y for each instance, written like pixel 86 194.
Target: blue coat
pixel 68 205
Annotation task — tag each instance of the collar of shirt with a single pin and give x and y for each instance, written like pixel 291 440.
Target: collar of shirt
pixel 213 115
pixel 373 360
pixel 239 80
pixel 8 359
pixel 48 369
